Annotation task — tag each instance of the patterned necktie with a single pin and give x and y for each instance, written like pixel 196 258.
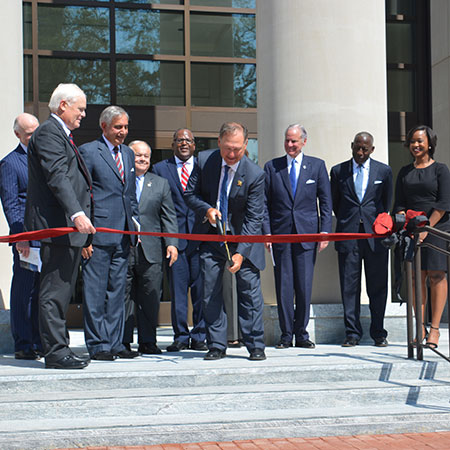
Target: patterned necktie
pixel 359 182
pixel 293 178
pixel 184 176
pixel 118 162
pixel 224 196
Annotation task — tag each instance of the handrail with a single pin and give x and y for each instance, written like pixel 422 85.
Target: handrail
pixel 418 345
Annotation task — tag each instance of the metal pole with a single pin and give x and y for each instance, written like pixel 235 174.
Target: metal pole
pixel 409 309
pixel 418 295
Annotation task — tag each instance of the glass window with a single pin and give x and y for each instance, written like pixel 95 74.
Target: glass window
pixel 230 85
pixel 399 156
pixel 73 28
pixel 91 75
pixel 27 29
pixel 227 35
pixel 400 84
pixel 167 2
pixel 252 149
pixel 150 83
pixel 28 78
pixel 149 32
pixel 205 143
pixel 226 3
pixel 399 40
pixel 405 7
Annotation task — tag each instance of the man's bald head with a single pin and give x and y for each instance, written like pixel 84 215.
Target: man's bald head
pixel 24 126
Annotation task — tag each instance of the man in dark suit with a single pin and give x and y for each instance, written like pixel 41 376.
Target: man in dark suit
pixel 25 283
pixel 185 273
pixel 59 194
pixel 294 183
pixel 111 165
pixel 229 188
pixel 362 189
pixel 145 267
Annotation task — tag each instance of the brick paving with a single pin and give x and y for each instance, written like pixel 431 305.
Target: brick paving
pixel 407 441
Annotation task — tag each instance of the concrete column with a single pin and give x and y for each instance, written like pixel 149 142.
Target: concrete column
pixel 321 63
pixel 11 93
pixel 440 75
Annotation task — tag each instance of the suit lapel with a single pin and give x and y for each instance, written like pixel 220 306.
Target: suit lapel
pixel 305 172
pixel 372 178
pixel 348 173
pixel 106 155
pixel 238 179
pixel 285 177
pixel 147 185
pixel 173 172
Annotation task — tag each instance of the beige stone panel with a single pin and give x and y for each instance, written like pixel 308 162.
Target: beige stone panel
pixel 11 93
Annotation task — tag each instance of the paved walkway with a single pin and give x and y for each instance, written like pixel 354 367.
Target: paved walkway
pixel 409 441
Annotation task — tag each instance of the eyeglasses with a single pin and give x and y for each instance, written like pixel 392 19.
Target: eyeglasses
pixel 180 141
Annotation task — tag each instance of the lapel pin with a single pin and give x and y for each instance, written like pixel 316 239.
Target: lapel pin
pixel 304 167
pixel 149 184
pixel 239 183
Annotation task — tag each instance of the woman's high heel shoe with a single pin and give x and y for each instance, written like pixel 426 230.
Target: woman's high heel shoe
pixel 430 343
pixel 424 335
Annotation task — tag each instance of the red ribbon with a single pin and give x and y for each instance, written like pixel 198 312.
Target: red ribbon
pixel 275 238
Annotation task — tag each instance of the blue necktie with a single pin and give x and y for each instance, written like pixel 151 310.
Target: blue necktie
pixel 293 178
pixel 224 196
pixel 359 182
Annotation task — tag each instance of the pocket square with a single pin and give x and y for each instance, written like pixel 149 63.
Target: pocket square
pixel 310 181
pixel 132 169
pixel 377 182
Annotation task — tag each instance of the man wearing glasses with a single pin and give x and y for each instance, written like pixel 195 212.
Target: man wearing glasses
pixel 185 273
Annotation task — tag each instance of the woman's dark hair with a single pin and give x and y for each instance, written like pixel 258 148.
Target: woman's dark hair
pixel 432 137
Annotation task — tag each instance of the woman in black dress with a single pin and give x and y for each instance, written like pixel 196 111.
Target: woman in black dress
pixel 424 185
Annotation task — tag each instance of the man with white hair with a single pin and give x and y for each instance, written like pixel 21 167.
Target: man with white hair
pixel 59 195
pixel 25 283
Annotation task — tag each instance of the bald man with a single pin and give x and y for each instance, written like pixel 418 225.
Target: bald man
pixel 361 189
pixel 25 283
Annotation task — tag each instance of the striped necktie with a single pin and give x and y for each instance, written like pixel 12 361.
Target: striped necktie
pixel 184 176
pixel 118 163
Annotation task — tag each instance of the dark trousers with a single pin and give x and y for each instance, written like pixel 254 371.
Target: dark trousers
pixel 24 304
pixel 250 300
pixel 185 274
pixel 104 279
pixel 60 265
pixel 142 297
pixel 376 273
pixel 294 270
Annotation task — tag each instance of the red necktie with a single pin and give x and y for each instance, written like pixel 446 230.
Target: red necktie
pixel 184 176
pixel 118 163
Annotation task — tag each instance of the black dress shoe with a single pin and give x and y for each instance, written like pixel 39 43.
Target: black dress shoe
pixel 81 357
pixel 283 344
pixel 29 354
pixel 149 349
pixel 127 354
pixel 257 354
pixel 306 343
pixel 177 346
pixel 198 345
pixel 350 341
pixel 67 362
pixel 381 342
pixel 215 353
pixel 103 356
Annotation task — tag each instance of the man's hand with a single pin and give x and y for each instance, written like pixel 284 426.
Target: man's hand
pixel 86 252
pixel 84 225
pixel 23 248
pixel 171 254
pixel 323 245
pixel 237 259
pixel 212 214
pixel 268 245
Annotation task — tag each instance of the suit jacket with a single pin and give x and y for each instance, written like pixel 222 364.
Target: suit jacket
pixel 185 216
pixel 13 188
pixel 349 211
pixel 115 201
pixel 285 214
pixel 58 186
pixel 245 200
pixel 157 214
